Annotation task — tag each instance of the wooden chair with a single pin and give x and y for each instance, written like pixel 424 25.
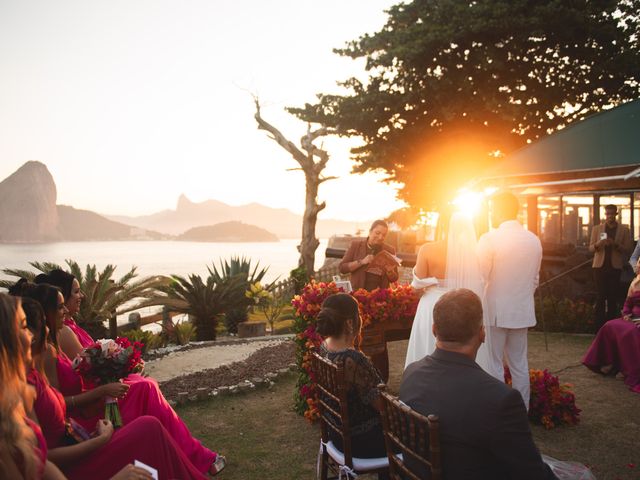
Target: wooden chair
pixel 334 416
pixel 415 436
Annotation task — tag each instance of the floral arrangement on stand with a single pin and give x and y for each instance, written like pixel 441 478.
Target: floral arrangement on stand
pixel 380 305
pixel 551 403
pixel 109 361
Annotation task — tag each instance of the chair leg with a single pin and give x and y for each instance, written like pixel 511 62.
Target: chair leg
pixel 322 466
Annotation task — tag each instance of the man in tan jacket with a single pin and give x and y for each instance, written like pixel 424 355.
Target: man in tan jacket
pixel 610 244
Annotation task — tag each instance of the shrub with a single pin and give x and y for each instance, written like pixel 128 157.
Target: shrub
pixel 149 340
pixel 233 317
pixel 184 332
pixel 564 315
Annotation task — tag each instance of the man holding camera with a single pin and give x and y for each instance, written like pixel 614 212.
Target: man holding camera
pixel 610 244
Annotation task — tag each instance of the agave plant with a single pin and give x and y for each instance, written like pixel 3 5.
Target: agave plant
pixel 104 295
pixel 239 267
pixel 204 300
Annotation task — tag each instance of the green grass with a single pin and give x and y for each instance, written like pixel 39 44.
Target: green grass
pixel 263 438
pixel 258 432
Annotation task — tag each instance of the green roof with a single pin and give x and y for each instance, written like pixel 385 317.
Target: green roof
pixel 607 139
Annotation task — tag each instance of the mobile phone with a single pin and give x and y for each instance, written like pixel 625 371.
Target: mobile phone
pixel 603 236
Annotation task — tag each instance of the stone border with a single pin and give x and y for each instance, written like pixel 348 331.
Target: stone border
pixel 158 353
pixel 204 393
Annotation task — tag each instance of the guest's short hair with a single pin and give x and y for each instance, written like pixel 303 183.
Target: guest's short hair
pixel 611 207
pixel 379 223
pixel 457 316
pixel 505 204
pixel 337 311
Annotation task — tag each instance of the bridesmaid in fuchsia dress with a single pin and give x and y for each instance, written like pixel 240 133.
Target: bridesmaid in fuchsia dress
pixel 137 395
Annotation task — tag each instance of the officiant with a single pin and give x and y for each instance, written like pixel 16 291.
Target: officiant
pixel 368 269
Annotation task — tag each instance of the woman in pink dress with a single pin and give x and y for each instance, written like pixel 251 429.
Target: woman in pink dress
pixel 616 347
pixel 23 447
pixel 137 395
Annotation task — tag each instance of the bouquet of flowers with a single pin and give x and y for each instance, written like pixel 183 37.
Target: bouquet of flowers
pixel 108 361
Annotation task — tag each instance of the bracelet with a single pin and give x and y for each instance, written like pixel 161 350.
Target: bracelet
pixel 73 401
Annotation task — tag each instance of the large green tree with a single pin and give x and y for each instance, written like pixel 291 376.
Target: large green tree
pixel 453 85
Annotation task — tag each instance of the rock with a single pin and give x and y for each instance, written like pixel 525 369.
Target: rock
pixel 283 371
pixel 202 393
pixel 183 397
pixel 28 211
pixel 253 329
pixel 234 389
pixel 223 391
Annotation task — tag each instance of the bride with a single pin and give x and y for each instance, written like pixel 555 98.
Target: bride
pixel 440 267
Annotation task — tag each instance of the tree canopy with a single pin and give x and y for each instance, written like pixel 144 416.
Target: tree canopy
pixel 452 86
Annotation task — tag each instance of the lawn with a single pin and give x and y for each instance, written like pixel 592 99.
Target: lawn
pixel 263 438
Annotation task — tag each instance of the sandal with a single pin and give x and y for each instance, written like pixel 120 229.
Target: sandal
pixel 218 465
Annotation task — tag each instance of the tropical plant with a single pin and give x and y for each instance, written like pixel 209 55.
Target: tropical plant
pixel 204 300
pixel 105 296
pixel 238 267
pixel 149 340
pixel 184 332
pixel 270 303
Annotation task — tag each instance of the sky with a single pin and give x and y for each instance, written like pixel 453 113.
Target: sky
pixel 131 103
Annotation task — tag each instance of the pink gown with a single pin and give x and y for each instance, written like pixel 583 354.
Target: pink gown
pixel 41 449
pixel 143 398
pixel 618 344
pixel 143 439
pixel 83 337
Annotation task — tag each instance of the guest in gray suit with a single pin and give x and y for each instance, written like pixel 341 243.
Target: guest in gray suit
pixel 484 430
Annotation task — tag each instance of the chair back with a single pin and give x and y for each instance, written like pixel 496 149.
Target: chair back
pixel 415 436
pixel 332 402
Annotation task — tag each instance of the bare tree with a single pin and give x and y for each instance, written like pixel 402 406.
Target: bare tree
pixel 312 160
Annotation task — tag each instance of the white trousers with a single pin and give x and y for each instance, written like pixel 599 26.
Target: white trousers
pixel 510 345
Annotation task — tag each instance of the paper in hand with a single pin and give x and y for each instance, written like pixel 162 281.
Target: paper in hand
pixel 144 466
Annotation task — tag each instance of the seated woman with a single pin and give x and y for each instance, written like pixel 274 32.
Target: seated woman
pixel 616 347
pixel 339 321
pixel 72 337
pixel 101 456
pixel 138 396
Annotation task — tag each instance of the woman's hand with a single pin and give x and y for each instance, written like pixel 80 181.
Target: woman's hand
pixel 626 317
pixel 115 390
pixel 129 472
pixel 104 429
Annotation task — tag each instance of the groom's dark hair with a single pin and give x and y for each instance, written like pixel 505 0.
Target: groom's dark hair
pixel 457 316
pixel 506 205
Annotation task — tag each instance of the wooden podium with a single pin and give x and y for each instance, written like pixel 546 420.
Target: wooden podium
pixel 375 337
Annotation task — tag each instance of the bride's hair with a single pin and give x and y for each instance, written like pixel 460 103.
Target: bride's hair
pixel 337 312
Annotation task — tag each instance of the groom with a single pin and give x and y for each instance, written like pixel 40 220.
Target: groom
pixel 510 258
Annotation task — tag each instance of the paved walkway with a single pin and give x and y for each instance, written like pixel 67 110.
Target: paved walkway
pixel 190 361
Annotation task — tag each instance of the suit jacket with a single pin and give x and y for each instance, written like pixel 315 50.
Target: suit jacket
pixel 484 429
pixel 510 258
pixel 618 255
pixel 357 251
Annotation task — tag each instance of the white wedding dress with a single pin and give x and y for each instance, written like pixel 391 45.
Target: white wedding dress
pixel 462 271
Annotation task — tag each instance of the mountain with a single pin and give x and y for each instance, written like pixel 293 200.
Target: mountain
pixel 280 221
pixel 84 225
pixel 28 210
pixel 28 213
pixel 228 232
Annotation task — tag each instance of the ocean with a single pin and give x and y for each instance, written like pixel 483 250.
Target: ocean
pixel 159 257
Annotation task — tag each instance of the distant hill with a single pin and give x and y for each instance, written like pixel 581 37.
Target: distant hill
pixel 84 225
pixel 280 221
pixel 28 213
pixel 228 232
pixel 28 205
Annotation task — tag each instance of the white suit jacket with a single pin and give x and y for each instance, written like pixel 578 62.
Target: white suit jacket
pixel 510 258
